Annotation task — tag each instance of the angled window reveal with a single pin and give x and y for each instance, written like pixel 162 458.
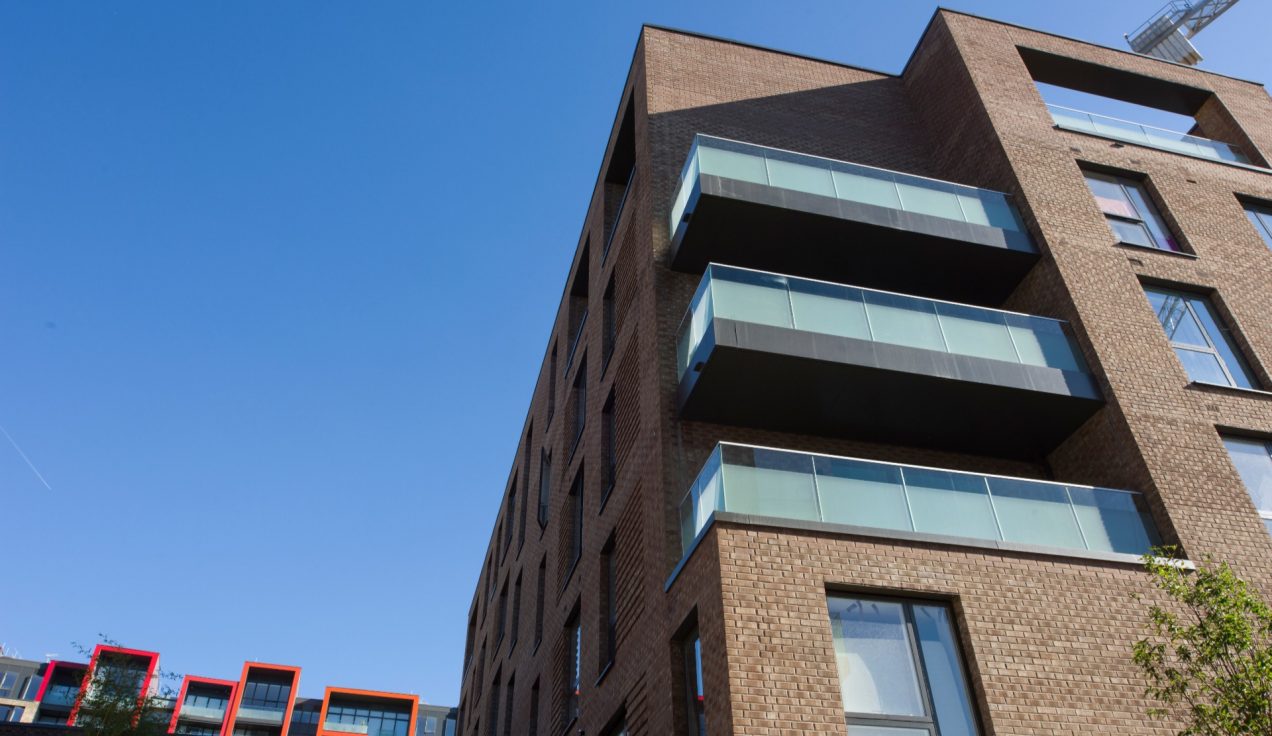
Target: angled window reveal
pixel 1261 217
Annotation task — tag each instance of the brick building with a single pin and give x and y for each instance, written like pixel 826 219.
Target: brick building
pixel 867 391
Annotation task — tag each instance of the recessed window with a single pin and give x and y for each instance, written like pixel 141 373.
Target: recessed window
pixel 1132 217
pixel 692 650
pixel 1261 217
pixel 609 326
pixel 900 670
pixel 492 718
pixel 545 485
pixel 503 613
pixel 609 603
pixel 579 415
pixel 576 519
pixel 525 488
pixel 430 725
pixel 533 728
pixel 538 601
pixel 508 699
pixel 609 449
pixel 516 611
pixel 552 380
pixel 1253 460
pixel 509 517
pixel 1202 343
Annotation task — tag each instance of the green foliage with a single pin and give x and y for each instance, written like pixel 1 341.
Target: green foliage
pixel 1208 658
pixel 114 705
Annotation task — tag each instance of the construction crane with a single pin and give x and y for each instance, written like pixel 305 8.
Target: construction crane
pixel 1166 34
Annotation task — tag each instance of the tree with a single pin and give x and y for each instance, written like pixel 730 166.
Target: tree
pixel 114 703
pixel 1208 658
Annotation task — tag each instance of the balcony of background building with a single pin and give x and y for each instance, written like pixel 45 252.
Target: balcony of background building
pixel 799 355
pixel 761 485
pixel 767 208
pixel 60 696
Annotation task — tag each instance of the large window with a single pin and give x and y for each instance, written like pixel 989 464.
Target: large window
pixel 1129 212
pixel 1253 459
pixel 1261 217
pixel 266 695
pixel 900 671
pixel 12 713
pixel 697 712
pixel 573 668
pixel 1201 342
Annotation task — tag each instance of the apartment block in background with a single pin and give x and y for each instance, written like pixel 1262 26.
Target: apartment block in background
pixel 867 392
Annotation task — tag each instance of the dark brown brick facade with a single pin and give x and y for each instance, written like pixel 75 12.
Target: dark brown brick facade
pixel 1046 637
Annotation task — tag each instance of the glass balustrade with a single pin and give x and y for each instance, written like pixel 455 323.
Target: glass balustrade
pixel 841 180
pixel 259 714
pixel 864 493
pixel 1145 135
pixel 202 712
pixel 759 297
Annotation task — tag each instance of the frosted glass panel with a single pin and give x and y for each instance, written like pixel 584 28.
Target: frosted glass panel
pixel 1035 513
pixel 926 200
pixel 872 650
pixel 732 164
pixel 766 483
pixel 764 304
pixel 868 187
pixel 1043 342
pixel 1111 521
pixel 1253 460
pixel 828 309
pixel 800 178
pixel 903 321
pixel 864 494
pixel 950 503
pixel 976 332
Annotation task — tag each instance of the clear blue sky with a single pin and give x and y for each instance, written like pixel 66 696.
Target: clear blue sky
pixel 275 282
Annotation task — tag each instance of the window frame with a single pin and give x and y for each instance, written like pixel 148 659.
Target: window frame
pixel 1225 438
pixel 545 487
pixel 1186 299
pixel 929 721
pixel 695 676
pixel 1125 184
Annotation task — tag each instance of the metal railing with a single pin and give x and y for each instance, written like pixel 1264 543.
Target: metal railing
pixel 1145 135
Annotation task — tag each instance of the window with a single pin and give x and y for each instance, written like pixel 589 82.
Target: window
pixel 450 726
pixel 503 613
pixel 573 668
pixel 509 517
pixel 609 449
pixel 609 602
pixel 507 729
pixel 468 642
pixel 1261 217
pixel 538 601
pixel 11 713
pixel 1253 459
pixel 576 519
pixel 618 729
pixel 430 725
pixel 533 729
pixel 490 575
pixel 1206 348
pixel 266 695
pixel 516 611
pixel 693 685
pixel 525 488
pixel 377 721
pixel 8 684
pixel 1131 216
pixel 609 327
pixel 492 718
pixel 545 486
pixel 899 668
pixel 552 375
pixel 579 416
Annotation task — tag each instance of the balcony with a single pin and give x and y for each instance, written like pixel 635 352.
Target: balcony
pixel 260 715
pixel 766 208
pixel 202 713
pixel 778 352
pixel 1104 126
pixel 911 502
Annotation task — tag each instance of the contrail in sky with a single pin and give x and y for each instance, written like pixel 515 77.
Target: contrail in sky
pixel 26 459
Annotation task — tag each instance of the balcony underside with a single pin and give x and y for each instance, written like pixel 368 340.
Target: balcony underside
pixel 796 381
pixel 760 226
